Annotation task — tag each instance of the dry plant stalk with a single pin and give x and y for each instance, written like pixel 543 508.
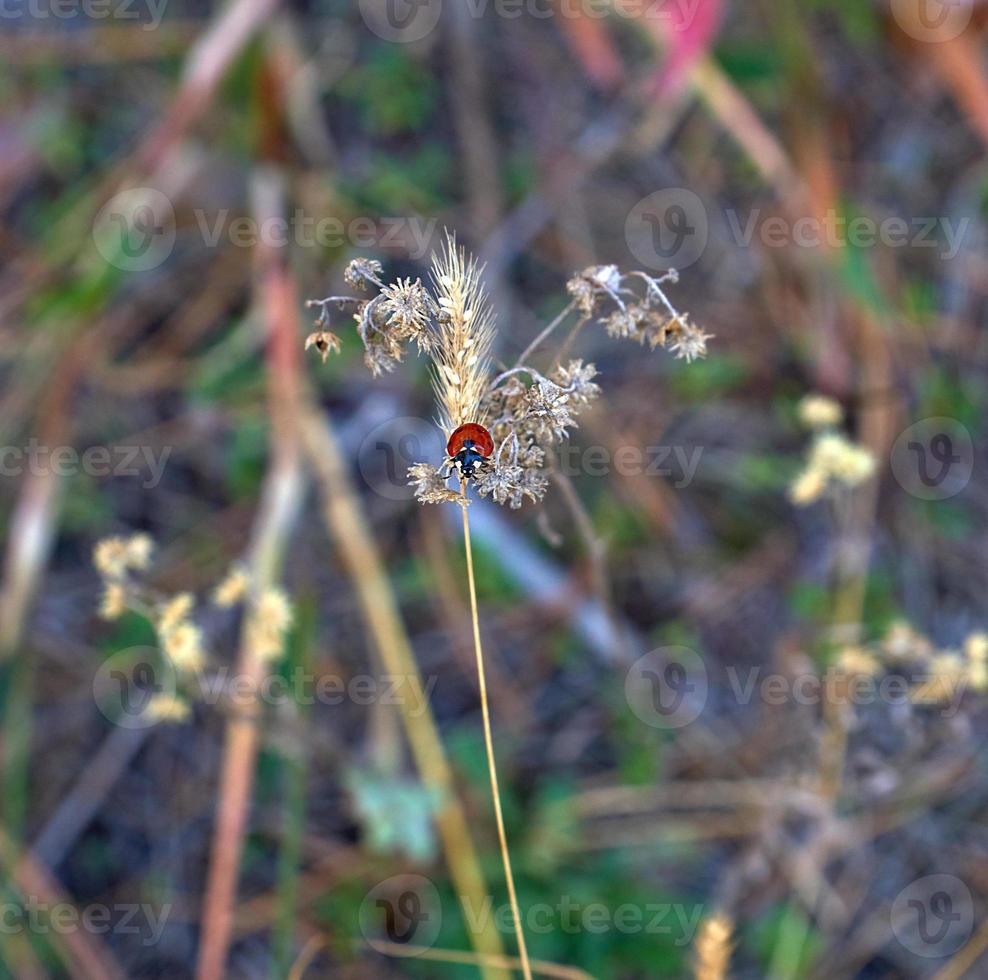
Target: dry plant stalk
pixel 514 420
pixel 283 490
pixel 461 360
pixel 347 525
pixel 712 955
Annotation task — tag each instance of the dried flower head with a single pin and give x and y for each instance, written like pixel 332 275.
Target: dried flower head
pixel 592 285
pixel 527 412
pixel 139 550
pixel 232 589
pixel 269 623
pixel 510 483
pixel 976 653
pixel 820 412
pixel 114 557
pixel 408 309
pixel 167 708
pixel 174 612
pixel 686 340
pixel 976 647
pixel 114 602
pixel 834 460
pixel 857 661
pixel 948 675
pixel 361 272
pixel 324 341
pixel 183 647
pixel 902 642
pixel 808 487
pixel 430 484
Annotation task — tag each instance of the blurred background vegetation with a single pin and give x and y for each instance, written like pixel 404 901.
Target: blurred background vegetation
pixel 136 312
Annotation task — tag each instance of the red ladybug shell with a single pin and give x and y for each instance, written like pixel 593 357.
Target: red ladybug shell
pixel 477 434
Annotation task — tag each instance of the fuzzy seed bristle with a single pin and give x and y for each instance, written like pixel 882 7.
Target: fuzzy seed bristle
pixel 465 334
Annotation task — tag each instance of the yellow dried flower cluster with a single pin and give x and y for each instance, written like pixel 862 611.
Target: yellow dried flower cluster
pixel 167 708
pixel 820 412
pixel 115 558
pixel 182 640
pixel 174 611
pixel 976 655
pixel 183 647
pixel 269 623
pixel 232 589
pixel 943 674
pixel 114 601
pixel 858 662
pixel 834 460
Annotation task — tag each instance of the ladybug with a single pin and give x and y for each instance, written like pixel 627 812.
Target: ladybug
pixel 469 446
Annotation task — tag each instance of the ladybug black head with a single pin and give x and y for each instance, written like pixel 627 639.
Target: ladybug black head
pixel 468 459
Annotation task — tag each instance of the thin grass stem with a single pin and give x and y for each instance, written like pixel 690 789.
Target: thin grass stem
pixel 489 743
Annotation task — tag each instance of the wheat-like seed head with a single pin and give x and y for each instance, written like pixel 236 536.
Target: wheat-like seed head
pixel 465 334
pixel 712 954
